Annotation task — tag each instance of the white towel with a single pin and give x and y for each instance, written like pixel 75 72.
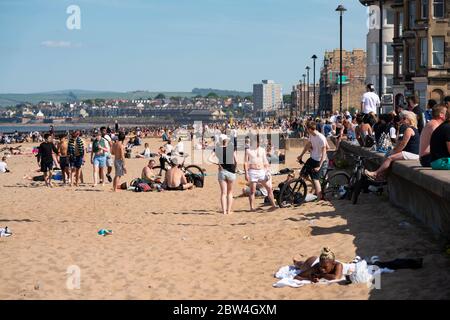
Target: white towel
pixel 287 274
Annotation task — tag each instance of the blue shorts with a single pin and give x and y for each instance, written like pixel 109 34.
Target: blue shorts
pixel 76 162
pixel 100 161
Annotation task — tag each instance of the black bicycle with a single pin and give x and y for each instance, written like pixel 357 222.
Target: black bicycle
pixel 193 172
pixel 360 182
pixel 293 192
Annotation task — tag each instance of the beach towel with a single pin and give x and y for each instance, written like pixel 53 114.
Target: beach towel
pixel 358 272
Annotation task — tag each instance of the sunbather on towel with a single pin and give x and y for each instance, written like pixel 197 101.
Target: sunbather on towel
pixel 323 267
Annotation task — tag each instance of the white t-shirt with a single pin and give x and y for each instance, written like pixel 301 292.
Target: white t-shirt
pixel 3 166
pixel 370 102
pixel 179 148
pixel 318 142
pixel 169 148
pixel 107 143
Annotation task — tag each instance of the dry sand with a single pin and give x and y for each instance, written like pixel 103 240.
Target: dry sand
pixel 178 246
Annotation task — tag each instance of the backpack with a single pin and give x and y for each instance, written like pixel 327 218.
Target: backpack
pixel 197 180
pixel 142 187
pixel 369 141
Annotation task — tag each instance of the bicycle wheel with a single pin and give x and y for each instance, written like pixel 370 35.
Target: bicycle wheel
pixel 194 170
pixel 332 187
pixel 160 171
pixel 292 193
pixel 358 186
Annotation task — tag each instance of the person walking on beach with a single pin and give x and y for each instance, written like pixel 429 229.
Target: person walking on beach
pixel 98 158
pixel 118 150
pixel 257 170
pixel 45 157
pixel 107 143
pixel 63 151
pixel 224 155
pixel 76 157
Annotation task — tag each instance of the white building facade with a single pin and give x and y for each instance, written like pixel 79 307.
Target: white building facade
pixel 373 44
pixel 267 96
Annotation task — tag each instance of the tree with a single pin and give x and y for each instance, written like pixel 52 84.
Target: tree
pixel 212 95
pixel 160 96
pixel 287 98
pixel 249 98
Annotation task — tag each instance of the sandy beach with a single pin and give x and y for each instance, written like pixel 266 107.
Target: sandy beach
pixel 176 245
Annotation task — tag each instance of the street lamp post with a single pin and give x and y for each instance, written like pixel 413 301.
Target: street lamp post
pixel 304 93
pixel 341 11
pixel 307 81
pixel 301 96
pixel 314 57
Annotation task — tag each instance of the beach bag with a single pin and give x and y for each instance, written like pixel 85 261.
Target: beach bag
pixel 369 141
pixel 143 187
pixel 197 181
pixel 441 164
pixel 135 182
pixel 361 273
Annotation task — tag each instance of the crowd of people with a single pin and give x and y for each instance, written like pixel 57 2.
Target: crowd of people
pixel 407 133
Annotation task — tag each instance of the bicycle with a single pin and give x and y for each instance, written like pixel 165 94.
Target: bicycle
pixel 190 171
pixel 359 181
pixel 293 192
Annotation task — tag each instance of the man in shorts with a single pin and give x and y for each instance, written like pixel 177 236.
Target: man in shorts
pixel 107 143
pixel 118 150
pixel 45 157
pixel 318 146
pixel 76 157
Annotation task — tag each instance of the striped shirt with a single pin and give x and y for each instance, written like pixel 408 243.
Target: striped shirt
pixel 76 148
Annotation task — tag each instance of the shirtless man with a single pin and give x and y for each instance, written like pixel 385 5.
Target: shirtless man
pixel 63 149
pixel 257 170
pixel 175 178
pixel 148 175
pixel 118 150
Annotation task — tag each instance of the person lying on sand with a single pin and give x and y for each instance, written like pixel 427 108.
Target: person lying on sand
pixel 316 268
pixel 175 178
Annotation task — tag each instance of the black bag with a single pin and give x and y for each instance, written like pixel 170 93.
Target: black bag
pixel 369 141
pixel 197 180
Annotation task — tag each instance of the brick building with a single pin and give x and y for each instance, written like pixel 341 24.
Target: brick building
pixel 353 80
pixel 303 99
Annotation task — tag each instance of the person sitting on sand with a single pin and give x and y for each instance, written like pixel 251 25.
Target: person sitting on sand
pixel 149 176
pixel 260 191
pixel 323 267
pixel 175 178
pixel 4 166
pixel 146 153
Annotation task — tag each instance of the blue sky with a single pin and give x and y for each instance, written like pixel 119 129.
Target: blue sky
pixel 168 45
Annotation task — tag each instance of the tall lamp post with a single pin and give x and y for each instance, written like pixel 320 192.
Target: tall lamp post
pixel 300 87
pixel 307 81
pixel 314 57
pixel 341 11
pixel 304 92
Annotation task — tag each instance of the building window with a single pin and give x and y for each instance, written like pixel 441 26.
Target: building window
pixel 424 9
pixel 412 15
pixel 375 53
pixel 390 17
pixel 438 52
pixel 400 24
pixel 438 8
pixel 400 63
pixel 412 58
pixel 389 84
pixel 389 52
pixel 423 52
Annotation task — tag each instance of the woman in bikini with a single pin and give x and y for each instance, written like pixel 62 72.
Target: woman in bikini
pixel 323 267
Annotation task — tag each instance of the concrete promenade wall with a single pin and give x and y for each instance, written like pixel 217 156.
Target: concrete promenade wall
pixel 422 192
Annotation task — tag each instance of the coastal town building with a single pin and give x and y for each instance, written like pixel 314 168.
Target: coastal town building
pixel 267 96
pixel 353 80
pixel 303 98
pixel 421 48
